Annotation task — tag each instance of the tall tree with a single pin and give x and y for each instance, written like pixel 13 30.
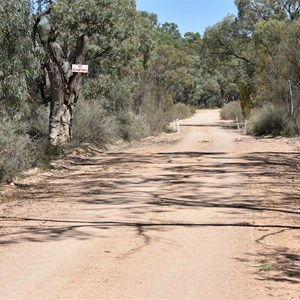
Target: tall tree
pixel 168 34
pixel 252 11
pixel 18 64
pixel 76 32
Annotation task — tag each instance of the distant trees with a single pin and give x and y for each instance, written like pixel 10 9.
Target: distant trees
pixel 134 61
pixel 260 44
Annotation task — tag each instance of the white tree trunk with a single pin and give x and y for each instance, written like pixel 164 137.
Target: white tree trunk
pixel 65 87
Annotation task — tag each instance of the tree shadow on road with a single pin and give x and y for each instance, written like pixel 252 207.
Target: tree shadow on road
pixel 274 263
pixel 136 185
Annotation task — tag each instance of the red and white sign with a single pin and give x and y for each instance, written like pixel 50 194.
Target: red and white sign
pixel 80 68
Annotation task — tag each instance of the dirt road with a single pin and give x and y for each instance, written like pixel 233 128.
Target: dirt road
pixel 204 214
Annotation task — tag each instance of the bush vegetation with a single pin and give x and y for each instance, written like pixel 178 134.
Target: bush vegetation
pixel 179 111
pixel 132 127
pixel 17 149
pixel 267 120
pixel 24 141
pixel 143 76
pixel 46 152
pixel 38 122
pixel 93 125
pixel 231 111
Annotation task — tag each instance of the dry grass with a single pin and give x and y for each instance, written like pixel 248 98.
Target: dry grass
pixel 93 125
pixel 267 120
pixel 232 111
pixel 17 149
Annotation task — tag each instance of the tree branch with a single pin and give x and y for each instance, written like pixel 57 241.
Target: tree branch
pixel 38 19
pixel 231 52
pixel 105 52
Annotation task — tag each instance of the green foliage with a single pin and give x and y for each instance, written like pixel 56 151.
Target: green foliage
pixel 17 150
pixel 93 125
pixel 269 267
pixel 46 153
pixel 192 43
pixel 228 41
pixel 141 72
pixel 132 84
pixel 155 103
pixel 168 34
pixel 158 118
pixel 146 31
pixel 168 75
pixel 115 94
pixel 273 29
pixel 132 127
pixel 179 111
pixel 208 92
pixel 231 111
pixel 111 40
pixel 96 19
pixel 18 63
pixel 267 120
pixel 38 122
pixel 251 12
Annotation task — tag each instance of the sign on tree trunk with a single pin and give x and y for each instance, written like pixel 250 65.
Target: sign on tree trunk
pixel 80 68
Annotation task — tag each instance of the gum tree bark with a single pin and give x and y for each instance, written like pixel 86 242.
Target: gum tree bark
pixel 62 28
pixel 64 91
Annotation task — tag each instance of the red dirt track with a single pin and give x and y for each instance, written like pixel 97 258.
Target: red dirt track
pixel 208 213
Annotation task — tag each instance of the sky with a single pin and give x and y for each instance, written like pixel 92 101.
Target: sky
pixel 189 15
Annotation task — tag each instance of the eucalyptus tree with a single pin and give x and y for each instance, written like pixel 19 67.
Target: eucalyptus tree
pixel 274 30
pixel 18 63
pixel 259 44
pixel 252 11
pixel 230 45
pixel 169 73
pixel 76 32
pixel 278 67
pixel 168 34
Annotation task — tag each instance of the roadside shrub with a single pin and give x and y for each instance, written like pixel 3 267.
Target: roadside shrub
pixel 179 111
pixel 93 125
pixel 46 153
pixel 17 149
pixel 154 118
pixel 39 122
pixel 231 111
pixel 132 127
pixel 154 107
pixel 267 120
pixel 292 124
pixel 158 119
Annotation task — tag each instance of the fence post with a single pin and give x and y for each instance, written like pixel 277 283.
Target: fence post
pixel 178 126
pixel 237 123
